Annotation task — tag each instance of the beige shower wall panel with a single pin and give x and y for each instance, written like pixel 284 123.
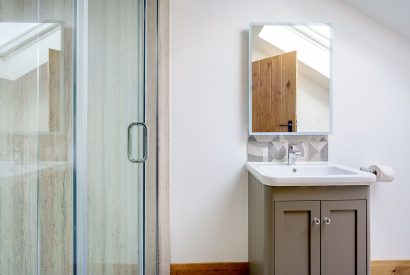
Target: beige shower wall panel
pixel 32 205
pixel 18 230
pixel 56 220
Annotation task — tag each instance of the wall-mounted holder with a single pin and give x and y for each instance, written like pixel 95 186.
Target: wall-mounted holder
pixel 368 170
pixel 383 173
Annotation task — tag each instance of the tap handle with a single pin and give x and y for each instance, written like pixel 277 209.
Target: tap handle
pixel 292 148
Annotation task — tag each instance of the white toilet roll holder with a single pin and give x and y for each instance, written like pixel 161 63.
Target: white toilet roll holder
pixel 368 170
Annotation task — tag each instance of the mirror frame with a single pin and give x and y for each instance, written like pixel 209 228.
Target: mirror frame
pixel 250 45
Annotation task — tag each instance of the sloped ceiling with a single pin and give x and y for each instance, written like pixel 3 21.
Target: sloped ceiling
pixel 395 14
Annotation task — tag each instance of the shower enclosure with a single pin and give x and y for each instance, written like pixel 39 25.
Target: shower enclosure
pixel 78 137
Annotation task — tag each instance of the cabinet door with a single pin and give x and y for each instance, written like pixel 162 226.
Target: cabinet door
pixel 297 238
pixel 344 243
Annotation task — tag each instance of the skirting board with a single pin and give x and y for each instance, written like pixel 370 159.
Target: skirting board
pixel 377 268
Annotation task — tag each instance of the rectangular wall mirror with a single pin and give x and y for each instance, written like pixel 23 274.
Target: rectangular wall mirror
pixel 290 79
pixel 31 77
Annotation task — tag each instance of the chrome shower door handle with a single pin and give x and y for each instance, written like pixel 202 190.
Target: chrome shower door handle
pixel 144 140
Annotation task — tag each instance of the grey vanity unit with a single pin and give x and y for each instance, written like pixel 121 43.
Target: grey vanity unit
pixel 312 230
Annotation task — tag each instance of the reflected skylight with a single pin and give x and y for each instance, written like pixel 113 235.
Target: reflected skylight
pixel 311 43
pixel 25 47
pixel 10 31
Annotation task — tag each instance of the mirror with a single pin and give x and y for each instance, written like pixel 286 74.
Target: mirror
pixel 290 79
pixel 31 77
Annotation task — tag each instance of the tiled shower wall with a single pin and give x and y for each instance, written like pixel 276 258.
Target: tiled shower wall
pixel 275 148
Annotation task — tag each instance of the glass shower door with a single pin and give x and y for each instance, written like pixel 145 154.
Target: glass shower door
pixel 115 110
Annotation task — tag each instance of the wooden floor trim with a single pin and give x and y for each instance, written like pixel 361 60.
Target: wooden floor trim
pixel 210 269
pixel 396 267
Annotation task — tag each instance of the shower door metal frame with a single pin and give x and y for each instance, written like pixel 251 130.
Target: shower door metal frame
pixel 150 196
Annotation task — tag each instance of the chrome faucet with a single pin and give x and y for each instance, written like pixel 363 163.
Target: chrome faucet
pixel 292 153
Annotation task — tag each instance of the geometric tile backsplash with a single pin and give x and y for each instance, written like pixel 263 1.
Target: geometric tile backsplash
pixel 274 148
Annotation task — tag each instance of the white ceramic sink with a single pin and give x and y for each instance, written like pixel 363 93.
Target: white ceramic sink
pixel 308 174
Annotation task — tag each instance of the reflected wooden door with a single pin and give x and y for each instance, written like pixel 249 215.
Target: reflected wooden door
pixel 274 94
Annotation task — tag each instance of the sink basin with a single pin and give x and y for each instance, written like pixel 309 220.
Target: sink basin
pixel 308 174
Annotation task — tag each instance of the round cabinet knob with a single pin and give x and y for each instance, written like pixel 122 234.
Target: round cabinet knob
pixel 326 220
pixel 316 220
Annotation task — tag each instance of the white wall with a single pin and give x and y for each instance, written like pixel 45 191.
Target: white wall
pixel 312 105
pixel 209 52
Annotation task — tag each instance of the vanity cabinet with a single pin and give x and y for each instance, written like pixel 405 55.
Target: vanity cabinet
pixel 312 230
pixel 311 236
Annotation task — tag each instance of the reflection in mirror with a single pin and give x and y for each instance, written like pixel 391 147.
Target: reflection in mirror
pixel 30 77
pixel 290 78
